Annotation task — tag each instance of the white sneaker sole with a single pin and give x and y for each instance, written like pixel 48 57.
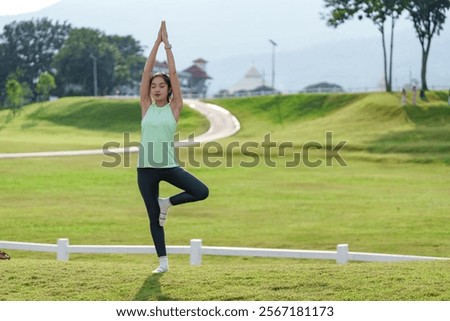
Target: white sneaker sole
pixel 160 270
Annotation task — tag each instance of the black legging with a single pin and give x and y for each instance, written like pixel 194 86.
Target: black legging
pixel 148 181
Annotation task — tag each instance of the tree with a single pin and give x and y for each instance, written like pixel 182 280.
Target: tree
pixel 379 11
pixel 14 94
pixel 119 62
pixel 29 46
pixel 75 65
pixel 45 84
pixel 428 17
pixel 129 66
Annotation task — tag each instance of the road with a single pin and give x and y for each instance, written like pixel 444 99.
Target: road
pixel 222 124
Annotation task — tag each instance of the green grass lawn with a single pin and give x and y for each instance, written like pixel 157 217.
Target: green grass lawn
pixel 388 199
pixel 279 280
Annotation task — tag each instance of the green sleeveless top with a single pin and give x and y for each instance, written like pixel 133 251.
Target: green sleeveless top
pixel 157 138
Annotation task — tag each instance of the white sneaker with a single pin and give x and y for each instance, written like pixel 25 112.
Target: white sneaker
pixel 160 269
pixel 163 265
pixel 164 204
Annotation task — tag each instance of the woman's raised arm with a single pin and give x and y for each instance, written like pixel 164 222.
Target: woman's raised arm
pixel 146 99
pixel 177 101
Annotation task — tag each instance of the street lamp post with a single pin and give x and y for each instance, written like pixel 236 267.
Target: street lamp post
pixel 94 59
pixel 273 62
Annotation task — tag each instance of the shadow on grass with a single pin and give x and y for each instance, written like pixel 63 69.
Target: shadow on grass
pixel 151 290
pixel 429 140
pixel 438 115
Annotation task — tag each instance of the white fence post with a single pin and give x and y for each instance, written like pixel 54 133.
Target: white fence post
pixel 62 250
pixel 196 252
pixel 342 254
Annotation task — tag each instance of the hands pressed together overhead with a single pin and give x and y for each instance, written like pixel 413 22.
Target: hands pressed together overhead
pixel 162 34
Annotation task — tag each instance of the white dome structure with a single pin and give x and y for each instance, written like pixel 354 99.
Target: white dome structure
pixel 252 80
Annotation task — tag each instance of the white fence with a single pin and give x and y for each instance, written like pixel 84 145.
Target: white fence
pixel 196 250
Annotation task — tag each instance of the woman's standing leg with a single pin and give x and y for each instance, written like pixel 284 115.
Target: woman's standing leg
pixel 148 181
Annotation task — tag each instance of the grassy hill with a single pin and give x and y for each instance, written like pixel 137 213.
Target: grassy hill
pixel 392 197
pixel 80 123
pixel 375 124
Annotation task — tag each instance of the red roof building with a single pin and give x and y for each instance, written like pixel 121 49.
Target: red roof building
pixel 194 80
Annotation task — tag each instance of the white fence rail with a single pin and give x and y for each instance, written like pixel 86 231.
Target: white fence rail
pixel 196 250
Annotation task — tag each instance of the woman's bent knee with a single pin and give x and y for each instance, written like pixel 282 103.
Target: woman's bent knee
pixel 204 193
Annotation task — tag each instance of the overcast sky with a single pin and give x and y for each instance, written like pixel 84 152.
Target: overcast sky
pixel 243 25
pixel 23 6
pixel 219 30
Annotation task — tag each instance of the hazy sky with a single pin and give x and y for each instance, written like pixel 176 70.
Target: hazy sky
pixel 13 7
pixel 219 30
pixel 244 25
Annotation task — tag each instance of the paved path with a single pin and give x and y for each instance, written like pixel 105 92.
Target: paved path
pixel 222 124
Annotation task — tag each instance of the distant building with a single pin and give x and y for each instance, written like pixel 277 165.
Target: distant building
pixel 252 79
pixel 323 87
pixel 252 84
pixel 194 80
pixel 133 90
pixel 161 67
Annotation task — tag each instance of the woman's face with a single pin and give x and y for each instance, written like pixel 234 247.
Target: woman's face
pixel 159 90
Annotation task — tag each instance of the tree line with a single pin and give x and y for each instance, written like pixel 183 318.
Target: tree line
pixel 427 17
pixel 39 57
